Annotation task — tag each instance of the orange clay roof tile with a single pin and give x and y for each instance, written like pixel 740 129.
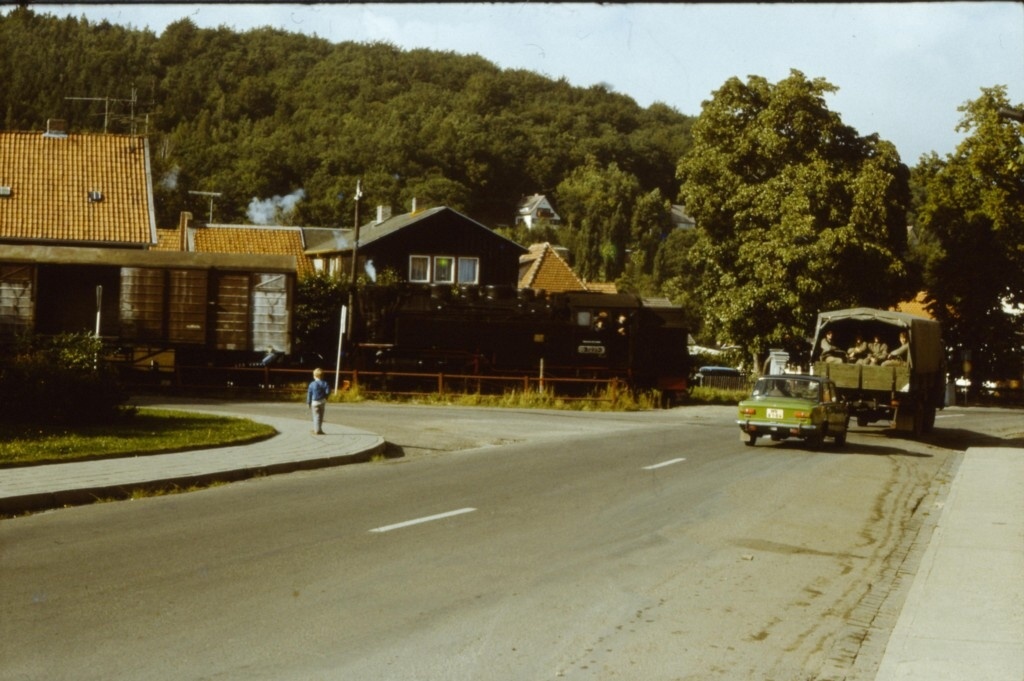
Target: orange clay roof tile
pixel 50 179
pixel 548 271
pixel 260 240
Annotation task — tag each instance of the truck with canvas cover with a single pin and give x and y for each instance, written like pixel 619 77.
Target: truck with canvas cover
pixel 905 390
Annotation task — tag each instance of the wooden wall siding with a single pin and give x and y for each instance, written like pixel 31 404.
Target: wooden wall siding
pixel 187 306
pixel 142 303
pixel 442 235
pixel 231 328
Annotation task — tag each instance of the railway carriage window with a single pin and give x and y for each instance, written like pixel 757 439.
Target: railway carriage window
pixel 469 270
pixel 444 269
pixel 419 268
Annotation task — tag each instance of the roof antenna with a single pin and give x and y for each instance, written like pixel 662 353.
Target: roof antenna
pixel 212 196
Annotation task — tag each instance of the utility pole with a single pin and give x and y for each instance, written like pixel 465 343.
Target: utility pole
pixel 355 254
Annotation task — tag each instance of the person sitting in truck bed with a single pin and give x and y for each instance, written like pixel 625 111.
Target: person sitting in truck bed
pixel 858 352
pixel 830 352
pixel 878 351
pixel 899 355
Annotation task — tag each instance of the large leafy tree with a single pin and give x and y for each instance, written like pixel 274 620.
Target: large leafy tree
pixel 970 224
pixel 795 212
pixel 598 203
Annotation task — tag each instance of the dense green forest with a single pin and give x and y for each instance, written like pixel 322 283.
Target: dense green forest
pixel 795 210
pixel 267 113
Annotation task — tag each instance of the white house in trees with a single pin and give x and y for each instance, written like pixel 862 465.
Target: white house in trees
pixel 536 210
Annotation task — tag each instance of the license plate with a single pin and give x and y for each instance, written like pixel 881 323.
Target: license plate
pixel 774 413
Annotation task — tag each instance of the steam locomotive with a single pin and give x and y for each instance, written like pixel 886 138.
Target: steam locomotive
pixel 495 330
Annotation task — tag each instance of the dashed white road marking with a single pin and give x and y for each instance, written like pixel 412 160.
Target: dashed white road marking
pixel 663 464
pixel 426 519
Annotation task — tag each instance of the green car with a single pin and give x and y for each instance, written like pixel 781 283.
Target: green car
pixel 797 406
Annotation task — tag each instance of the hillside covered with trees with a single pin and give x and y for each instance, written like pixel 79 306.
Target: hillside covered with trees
pixel 795 210
pixel 267 113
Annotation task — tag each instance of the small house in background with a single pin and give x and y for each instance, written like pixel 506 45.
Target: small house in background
pixel 544 268
pixel 536 210
pixel 431 246
pixel 681 219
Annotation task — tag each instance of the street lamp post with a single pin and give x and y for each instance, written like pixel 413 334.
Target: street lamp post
pixel 355 256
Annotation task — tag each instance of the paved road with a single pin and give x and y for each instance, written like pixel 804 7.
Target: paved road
pixel 559 545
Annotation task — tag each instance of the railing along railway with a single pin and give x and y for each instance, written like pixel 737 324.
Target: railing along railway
pixel 267 380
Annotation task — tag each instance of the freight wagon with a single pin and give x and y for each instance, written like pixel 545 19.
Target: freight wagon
pixel 153 307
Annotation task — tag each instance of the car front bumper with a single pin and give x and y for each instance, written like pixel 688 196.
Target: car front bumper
pixel 801 430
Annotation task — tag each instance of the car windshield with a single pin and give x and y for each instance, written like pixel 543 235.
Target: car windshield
pixel 786 387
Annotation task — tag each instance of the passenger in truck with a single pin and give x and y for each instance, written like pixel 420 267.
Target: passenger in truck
pixel 878 350
pixel 830 352
pixel 858 352
pixel 901 354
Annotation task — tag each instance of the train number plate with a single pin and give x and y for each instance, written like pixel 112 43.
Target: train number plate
pixel 590 349
pixel 774 413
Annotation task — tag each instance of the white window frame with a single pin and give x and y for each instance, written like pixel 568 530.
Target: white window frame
pixel 422 262
pixel 476 270
pixel 439 261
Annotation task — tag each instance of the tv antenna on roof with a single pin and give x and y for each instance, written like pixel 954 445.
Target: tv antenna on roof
pixel 212 196
pixel 106 107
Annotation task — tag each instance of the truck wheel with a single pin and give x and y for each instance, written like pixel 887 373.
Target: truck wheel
pixel 918 420
pixel 840 438
pixel 929 419
pixel 862 421
pixel 818 439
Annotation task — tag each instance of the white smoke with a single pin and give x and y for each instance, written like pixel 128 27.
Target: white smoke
pixel 371 271
pixel 170 180
pixel 270 211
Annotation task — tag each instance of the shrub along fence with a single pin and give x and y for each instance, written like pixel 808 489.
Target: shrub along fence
pixel 59 380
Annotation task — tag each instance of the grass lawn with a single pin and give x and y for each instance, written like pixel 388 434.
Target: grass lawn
pixel 148 431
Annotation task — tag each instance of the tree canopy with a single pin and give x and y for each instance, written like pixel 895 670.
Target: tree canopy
pixel 970 238
pixel 796 213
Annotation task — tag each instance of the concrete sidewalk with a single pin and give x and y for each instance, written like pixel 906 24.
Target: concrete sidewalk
pixel 963 619
pixel 37 488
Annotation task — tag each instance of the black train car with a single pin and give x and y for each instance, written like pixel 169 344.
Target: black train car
pixel 504 331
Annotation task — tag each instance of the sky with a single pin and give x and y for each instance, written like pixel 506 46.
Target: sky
pixel 902 69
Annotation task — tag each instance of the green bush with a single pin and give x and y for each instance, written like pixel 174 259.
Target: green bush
pixel 60 381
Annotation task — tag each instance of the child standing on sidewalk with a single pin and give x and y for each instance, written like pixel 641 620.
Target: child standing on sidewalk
pixel 316 399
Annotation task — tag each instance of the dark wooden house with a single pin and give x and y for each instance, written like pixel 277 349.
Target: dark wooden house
pixel 432 246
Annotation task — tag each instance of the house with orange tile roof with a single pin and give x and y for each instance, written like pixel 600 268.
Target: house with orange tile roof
pixel 544 269
pixel 200 237
pixel 91 190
